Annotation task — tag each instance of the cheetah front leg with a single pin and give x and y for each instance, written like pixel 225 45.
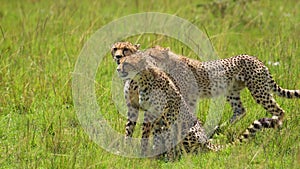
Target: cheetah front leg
pixel 146 131
pixel 131 97
pixel 158 130
pixel 132 116
pixel 235 102
pixel 169 137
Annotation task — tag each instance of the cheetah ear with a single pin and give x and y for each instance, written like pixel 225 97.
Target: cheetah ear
pixel 137 46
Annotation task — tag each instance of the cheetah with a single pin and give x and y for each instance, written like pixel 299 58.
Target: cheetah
pixel 225 77
pixel 174 127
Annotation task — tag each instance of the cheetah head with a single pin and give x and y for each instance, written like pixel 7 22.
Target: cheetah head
pixel 123 49
pixel 129 67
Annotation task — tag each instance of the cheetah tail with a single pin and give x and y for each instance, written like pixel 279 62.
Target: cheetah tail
pixel 214 147
pixel 285 92
pixel 256 126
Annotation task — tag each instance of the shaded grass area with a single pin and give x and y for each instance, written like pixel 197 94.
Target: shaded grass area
pixel 41 40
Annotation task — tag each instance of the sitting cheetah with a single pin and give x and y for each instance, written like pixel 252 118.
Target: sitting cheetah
pixel 175 128
pixel 213 78
pixel 118 51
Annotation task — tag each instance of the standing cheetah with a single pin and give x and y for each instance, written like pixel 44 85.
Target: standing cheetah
pixel 220 77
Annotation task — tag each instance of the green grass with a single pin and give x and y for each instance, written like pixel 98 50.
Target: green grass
pixel 40 42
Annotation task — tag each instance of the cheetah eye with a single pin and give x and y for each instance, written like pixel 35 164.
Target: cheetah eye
pixel 126 49
pixel 115 49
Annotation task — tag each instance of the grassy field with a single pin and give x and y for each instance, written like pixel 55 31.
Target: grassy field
pixel 40 42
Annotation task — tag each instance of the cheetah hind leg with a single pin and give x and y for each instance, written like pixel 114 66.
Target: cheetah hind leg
pixel 270 105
